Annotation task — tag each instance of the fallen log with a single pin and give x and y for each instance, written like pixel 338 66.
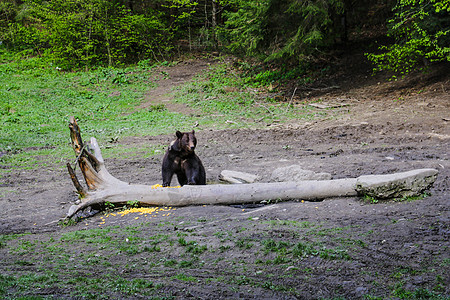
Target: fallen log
pixel 103 187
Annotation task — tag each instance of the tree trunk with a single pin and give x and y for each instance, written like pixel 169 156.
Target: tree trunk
pixel 103 187
pixel 214 21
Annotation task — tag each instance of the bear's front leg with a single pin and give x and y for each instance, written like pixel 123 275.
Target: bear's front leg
pixel 167 170
pixel 191 176
pixel 167 177
pixel 182 179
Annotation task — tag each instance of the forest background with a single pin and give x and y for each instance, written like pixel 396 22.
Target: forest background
pixel 74 34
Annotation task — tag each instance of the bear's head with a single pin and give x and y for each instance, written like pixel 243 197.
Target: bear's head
pixel 185 142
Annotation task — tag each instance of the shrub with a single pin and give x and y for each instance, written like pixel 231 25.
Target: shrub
pixel 421 30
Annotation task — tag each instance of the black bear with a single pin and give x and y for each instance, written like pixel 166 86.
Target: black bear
pixel 181 159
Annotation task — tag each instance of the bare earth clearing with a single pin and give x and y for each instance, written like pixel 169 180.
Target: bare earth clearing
pixel 387 127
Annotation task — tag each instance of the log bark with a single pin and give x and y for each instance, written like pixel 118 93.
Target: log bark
pixel 103 187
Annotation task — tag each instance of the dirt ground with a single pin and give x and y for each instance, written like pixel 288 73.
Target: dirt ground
pixel 385 127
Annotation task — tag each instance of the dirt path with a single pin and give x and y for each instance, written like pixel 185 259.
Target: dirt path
pixel 387 127
pixel 172 77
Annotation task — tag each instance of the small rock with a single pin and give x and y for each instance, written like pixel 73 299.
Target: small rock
pixel 296 173
pixel 237 177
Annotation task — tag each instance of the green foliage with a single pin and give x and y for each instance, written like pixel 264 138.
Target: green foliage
pixel 271 245
pixel 133 203
pixel 245 27
pixel 374 200
pixel 257 76
pixel 420 293
pixel 312 27
pixel 421 30
pixel 242 243
pixel 86 33
pixel 412 198
pixel 281 29
pixel 370 199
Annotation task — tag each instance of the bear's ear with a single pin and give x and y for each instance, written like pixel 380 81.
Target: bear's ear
pixel 193 132
pixel 179 134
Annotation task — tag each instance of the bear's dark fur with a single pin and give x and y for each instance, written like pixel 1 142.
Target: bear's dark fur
pixel 181 159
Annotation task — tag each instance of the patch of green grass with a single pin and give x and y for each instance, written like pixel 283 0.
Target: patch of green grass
pixel 224 248
pixel 91 236
pixel 23 263
pixel 351 242
pixel 182 242
pixel 329 231
pixel 196 249
pixel 420 293
pixel 4 238
pixel 222 93
pixel 371 297
pixel 112 150
pixel 187 263
pixel 278 260
pixel 184 277
pixel 23 282
pixel 170 263
pixel 24 247
pixel 152 248
pixel 445 262
pixel 244 243
pixel 36 101
pixel 303 249
pixel 400 273
pixel 412 198
pixel 103 262
pixel 36 158
pixel 192 246
pixel 373 200
pixel 93 287
pixel 130 249
pixel 274 287
pixel 370 199
pixel 293 223
pixel 6 282
pixel 220 234
pixel 259 76
pixel 271 245
pixel 241 280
